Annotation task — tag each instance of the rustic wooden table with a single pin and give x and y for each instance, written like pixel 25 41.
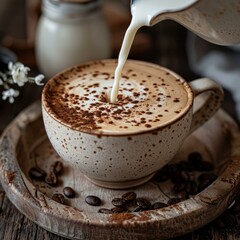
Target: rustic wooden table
pixel 168 51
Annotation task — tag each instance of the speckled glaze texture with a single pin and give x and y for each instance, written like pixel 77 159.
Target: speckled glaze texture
pixel 117 159
pixel 127 160
pixel 214 21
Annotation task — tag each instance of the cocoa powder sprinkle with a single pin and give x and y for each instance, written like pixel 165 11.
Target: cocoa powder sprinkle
pixel 86 106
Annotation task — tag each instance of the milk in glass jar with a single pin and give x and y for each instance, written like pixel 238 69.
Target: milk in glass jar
pixel 70 32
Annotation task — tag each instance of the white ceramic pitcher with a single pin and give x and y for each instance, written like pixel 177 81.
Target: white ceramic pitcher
pixel 217 21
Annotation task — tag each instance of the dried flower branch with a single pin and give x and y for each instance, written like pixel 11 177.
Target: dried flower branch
pixel 17 74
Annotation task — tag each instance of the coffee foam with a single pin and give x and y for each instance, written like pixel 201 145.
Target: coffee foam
pixel 149 98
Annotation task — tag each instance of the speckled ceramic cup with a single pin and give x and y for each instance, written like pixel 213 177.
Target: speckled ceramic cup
pixel 122 145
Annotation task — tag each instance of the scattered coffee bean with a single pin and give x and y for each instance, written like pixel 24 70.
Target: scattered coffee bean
pixel 187 176
pixel 183 195
pixel 118 202
pixel 191 187
pixel 203 184
pixel 207 176
pixel 57 197
pixel 119 209
pixel 105 211
pixel 139 209
pixel 179 187
pixel 172 169
pixel 204 166
pixel 57 167
pixel 129 196
pixel 186 166
pixel 176 177
pixel 37 173
pixel 51 179
pixel 174 201
pixel 158 205
pixel 205 180
pixel 162 175
pixel 199 164
pixel 69 192
pixel 93 200
pixel 143 203
pixel 194 157
pixel 181 175
pixel 131 204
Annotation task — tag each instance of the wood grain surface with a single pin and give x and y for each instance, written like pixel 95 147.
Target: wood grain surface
pixel 13 225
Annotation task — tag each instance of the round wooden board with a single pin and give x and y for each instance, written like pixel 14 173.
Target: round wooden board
pixel 24 144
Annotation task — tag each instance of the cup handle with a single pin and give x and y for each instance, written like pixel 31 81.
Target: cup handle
pixel 210 104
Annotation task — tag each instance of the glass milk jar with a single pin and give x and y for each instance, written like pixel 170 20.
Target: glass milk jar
pixel 70 32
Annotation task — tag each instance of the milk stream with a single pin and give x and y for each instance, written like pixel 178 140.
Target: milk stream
pixel 142 13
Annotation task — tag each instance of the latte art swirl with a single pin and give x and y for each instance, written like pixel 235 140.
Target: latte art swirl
pixel 80 98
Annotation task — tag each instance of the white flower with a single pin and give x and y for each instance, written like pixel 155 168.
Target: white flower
pixel 19 73
pixel 10 94
pixel 38 79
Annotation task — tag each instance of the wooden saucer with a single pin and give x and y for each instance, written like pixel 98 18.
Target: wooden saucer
pixel 24 144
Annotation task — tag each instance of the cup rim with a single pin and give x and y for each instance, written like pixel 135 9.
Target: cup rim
pixel 186 109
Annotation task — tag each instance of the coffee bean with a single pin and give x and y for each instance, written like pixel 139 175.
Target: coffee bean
pixel 93 200
pixel 69 192
pixel 143 203
pixel 57 197
pixel 176 177
pixel 57 167
pixel 51 179
pixel 191 187
pixel 131 204
pixel 139 209
pixel 194 157
pixel 199 164
pixel 174 201
pixel 119 209
pixel 183 195
pixel 166 172
pixel 172 169
pixel 37 173
pixel 207 176
pixel 186 166
pixel 118 202
pixel 161 176
pixel 129 196
pixel 203 166
pixel 204 180
pixel 187 176
pixel 158 205
pixel 179 187
pixel 203 184
pixel 105 211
